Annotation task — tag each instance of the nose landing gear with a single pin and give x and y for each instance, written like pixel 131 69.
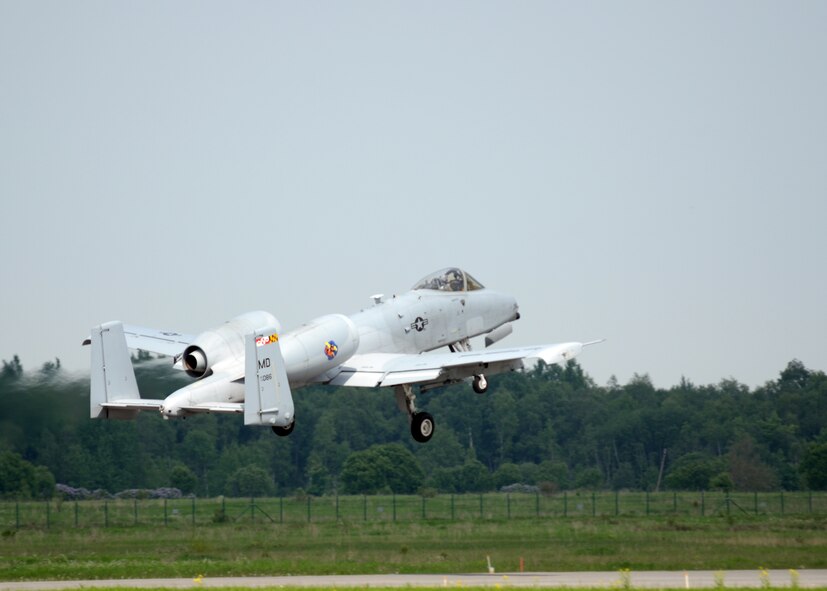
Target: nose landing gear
pixel 480 384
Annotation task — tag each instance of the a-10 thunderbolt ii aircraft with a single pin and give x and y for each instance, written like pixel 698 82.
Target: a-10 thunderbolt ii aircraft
pixel 249 366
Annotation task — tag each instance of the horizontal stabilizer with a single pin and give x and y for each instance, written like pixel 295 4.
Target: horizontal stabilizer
pixel 163 342
pixel 215 408
pixel 134 403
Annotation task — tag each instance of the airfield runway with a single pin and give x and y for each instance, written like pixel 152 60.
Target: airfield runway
pixel 611 579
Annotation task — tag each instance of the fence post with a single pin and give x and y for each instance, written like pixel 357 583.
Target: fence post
pixel 281 509
pixel 702 503
pixel 17 514
pixel 423 507
pixel 647 503
pixel 76 512
pixel 755 502
pixel 166 521
pixel 364 507
pixel 309 497
pixel 106 513
pixel 508 503
pixel 480 505
pixel 135 507
pixel 617 503
pixel 337 505
pixel 252 510
pixel 193 510
pixel 537 503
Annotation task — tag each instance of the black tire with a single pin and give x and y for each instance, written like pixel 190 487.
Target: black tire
pixel 284 431
pixel 475 384
pixel 422 427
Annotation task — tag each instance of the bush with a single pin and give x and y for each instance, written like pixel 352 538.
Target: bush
pixel 183 478
pixel 250 481
pixel 390 467
pixel 21 479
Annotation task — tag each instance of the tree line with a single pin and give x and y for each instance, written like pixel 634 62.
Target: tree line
pixel 551 428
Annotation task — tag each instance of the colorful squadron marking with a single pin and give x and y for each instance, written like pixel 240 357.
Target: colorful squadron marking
pixel 331 349
pixel 267 339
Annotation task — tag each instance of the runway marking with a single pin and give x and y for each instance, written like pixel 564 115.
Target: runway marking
pixel 804 578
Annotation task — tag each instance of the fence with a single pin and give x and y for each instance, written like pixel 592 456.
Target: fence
pixel 401 508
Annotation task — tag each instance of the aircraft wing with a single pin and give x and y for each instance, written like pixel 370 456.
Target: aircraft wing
pixel 379 369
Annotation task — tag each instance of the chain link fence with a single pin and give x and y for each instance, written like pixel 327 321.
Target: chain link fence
pixel 399 508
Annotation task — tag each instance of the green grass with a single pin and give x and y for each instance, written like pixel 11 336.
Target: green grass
pixel 548 544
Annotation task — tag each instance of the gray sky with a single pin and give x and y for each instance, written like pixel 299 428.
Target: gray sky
pixel 650 172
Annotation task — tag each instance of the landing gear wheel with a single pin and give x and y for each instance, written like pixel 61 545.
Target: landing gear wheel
pixel 480 384
pixel 284 431
pixel 422 427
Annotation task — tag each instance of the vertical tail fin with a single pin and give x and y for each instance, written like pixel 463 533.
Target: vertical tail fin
pixel 267 397
pixel 112 375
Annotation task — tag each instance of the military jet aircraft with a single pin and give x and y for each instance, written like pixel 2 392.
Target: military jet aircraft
pixel 248 365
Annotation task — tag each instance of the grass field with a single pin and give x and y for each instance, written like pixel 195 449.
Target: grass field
pixel 673 542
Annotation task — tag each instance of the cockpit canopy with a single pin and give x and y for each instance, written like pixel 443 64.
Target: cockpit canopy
pixel 450 279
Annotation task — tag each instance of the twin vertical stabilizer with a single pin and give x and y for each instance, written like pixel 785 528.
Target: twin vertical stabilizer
pixel 113 378
pixel 267 397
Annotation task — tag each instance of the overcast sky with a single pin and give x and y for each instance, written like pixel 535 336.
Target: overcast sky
pixel 650 172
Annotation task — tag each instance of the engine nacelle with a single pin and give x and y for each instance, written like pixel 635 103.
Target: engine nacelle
pixel 318 346
pixel 225 342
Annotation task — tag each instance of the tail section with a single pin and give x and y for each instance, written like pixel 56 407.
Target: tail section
pixel 113 378
pixel 267 397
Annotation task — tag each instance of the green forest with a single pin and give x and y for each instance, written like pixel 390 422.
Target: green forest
pixel 548 429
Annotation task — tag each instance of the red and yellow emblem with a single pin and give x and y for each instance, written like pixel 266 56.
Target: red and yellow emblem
pixel 267 339
pixel 330 349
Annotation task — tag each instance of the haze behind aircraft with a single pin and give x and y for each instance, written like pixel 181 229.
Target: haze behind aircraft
pixel 249 366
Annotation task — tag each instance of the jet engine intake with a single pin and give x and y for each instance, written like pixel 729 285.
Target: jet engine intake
pixel 222 343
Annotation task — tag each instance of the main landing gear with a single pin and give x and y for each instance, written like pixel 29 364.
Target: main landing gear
pixel 422 423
